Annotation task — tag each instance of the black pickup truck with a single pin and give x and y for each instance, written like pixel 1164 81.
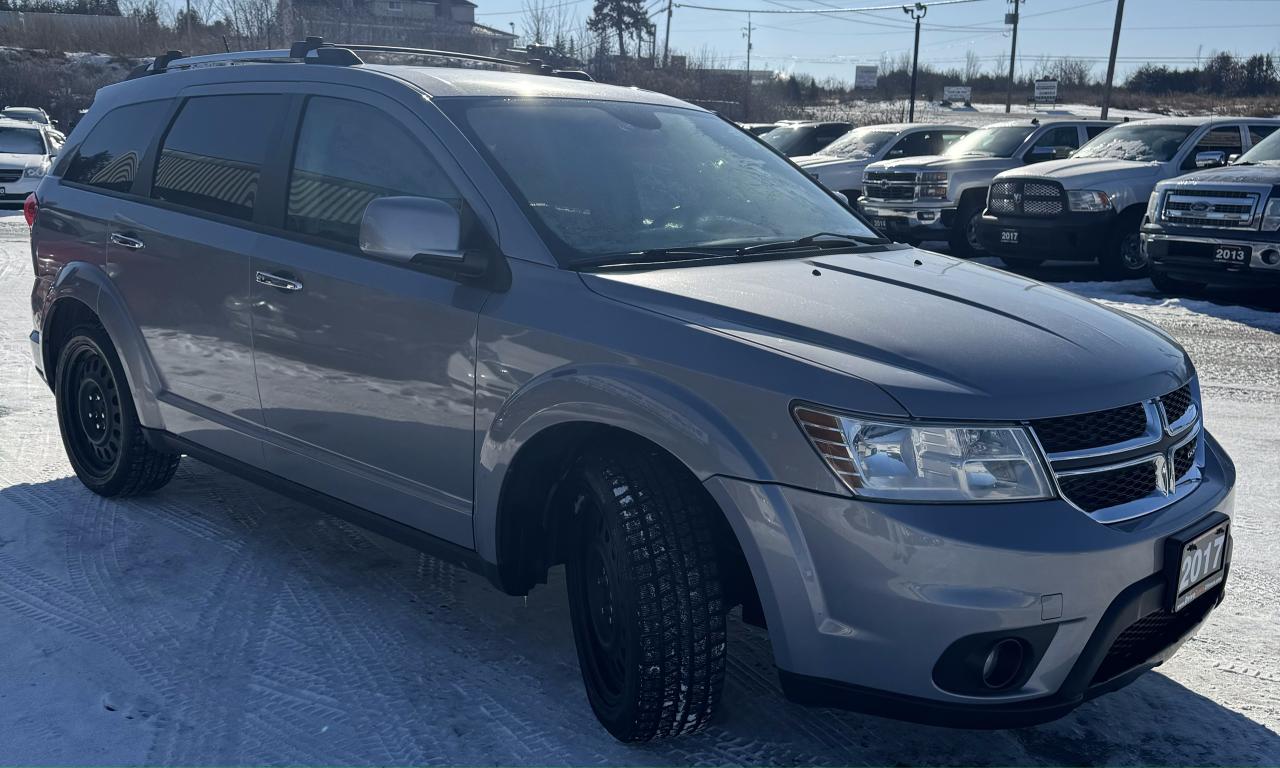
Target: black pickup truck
pixel 1218 226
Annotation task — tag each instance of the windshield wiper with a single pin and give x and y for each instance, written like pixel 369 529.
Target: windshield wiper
pixel 818 239
pixel 655 256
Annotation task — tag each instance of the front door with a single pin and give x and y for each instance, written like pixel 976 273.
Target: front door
pixel 366 368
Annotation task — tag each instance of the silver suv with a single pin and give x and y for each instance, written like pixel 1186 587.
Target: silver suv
pixel 520 320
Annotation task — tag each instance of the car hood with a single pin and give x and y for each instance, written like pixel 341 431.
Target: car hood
pixel 945 163
pixel 948 339
pixel 1088 173
pixel 1231 174
pixel 817 162
pixel 13 160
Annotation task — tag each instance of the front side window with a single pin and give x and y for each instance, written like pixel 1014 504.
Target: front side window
pixel 211 159
pixel 22 141
pixel 995 141
pixel 600 178
pixel 108 157
pixel 1138 141
pixel 348 155
pixel 1225 140
pixel 916 144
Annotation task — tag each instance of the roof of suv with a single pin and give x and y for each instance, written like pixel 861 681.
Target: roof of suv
pixel 458 81
pixel 30 125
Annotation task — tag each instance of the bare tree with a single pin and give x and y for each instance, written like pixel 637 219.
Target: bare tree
pixel 972 66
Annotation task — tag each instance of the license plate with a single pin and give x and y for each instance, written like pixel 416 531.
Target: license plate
pixel 880 223
pixel 1231 254
pixel 1009 236
pixel 1202 565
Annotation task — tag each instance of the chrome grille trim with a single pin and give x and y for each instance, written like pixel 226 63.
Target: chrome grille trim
pixel 1236 209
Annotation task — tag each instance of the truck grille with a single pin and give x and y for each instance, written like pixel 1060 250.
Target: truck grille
pixel 1128 461
pixel 10 175
pixel 1210 208
pixel 894 186
pixel 1037 199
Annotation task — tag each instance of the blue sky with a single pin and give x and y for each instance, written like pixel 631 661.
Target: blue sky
pixel 1174 32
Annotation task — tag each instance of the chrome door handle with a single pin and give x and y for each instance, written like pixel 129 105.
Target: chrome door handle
pixel 124 241
pixel 276 281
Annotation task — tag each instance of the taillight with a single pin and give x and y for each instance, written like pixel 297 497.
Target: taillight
pixel 30 207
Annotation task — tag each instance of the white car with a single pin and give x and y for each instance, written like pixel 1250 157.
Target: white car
pixel 27 150
pixel 839 165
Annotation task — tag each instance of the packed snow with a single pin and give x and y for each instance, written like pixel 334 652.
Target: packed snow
pixel 218 623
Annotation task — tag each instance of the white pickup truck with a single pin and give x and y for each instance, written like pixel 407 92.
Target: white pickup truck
pixel 839 165
pixel 1090 207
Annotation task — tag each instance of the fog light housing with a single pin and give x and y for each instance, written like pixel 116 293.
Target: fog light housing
pixel 1003 664
pixel 926 215
pixel 1270 257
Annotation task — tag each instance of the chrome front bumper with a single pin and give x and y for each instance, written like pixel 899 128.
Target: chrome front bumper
pixel 1256 247
pixel 909 217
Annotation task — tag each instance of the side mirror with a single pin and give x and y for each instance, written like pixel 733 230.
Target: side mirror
pixel 1039 154
pixel 412 229
pixel 1233 157
pixel 842 197
pixel 1211 159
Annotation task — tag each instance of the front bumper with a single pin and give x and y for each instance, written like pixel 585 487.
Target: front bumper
pixel 1071 236
pixel 17 191
pixel 864 600
pixel 911 221
pixel 1188 255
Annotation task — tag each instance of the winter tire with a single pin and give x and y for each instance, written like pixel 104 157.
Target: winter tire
pixel 1124 257
pixel 645 595
pixel 1168 284
pixel 99 426
pixel 963 237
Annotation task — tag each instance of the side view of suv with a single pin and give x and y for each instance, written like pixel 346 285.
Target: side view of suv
pixel 840 164
pixel 1218 226
pixel 941 197
pixel 1091 206
pixel 539 321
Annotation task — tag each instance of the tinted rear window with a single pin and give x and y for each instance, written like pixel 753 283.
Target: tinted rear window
pixel 212 157
pixel 108 158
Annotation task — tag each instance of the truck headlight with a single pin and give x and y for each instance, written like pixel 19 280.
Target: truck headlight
pixel 1153 203
pixel 901 461
pixel 35 171
pixel 1271 217
pixel 933 185
pixel 1088 200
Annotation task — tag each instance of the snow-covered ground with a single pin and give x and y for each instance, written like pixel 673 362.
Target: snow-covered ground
pixel 868 112
pixel 218 623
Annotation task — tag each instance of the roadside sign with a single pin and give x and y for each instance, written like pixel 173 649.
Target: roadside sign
pixel 1046 92
pixel 865 77
pixel 957 93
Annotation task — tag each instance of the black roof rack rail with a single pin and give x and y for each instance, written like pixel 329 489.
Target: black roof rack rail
pixel 314 50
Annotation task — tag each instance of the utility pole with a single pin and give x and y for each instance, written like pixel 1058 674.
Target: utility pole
pixel 746 100
pixel 1111 63
pixel 1011 18
pixel 190 49
pixel 916 12
pixel 666 41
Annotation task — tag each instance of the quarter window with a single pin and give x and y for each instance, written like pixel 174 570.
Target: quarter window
pixel 213 155
pixel 108 157
pixel 348 155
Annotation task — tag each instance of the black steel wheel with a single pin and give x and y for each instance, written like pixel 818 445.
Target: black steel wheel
pixel 100 429
pixel 1125 257
pixel 963 239
pixel 645 595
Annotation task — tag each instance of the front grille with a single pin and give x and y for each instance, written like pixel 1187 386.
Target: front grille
pixel 10 175
pixel 900 177
pixel 1147 637
pixel 890 185
pixel 1185 458
pixel 1176 403
pixel 1037 199
pixel 1091 430
pixel 1099 490
pixel 1210 208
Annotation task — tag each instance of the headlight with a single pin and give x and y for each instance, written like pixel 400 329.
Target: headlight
pixel 933 185
pixel 927 462
pixel 36 171
pixel 1153 203
pixel 1271 218
pixel 1088 200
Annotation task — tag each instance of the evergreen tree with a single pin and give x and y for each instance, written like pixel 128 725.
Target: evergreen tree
pixel 622 18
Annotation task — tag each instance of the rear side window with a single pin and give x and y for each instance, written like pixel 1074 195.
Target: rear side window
pixel 212 158
pixel 108 157
pixel 348 155
pixel 1259 132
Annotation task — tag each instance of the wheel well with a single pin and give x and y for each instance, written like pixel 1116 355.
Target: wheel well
pixel 967 197
pixel 532 524
pixel 65 314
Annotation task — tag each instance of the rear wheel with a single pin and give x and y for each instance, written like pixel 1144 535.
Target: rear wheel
pixel 645 595
pixel 99 426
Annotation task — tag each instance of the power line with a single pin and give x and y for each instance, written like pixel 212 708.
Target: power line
pixel 817 10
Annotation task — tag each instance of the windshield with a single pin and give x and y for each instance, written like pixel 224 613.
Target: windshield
pixel 858 144
pixel 600 178
pixel 1265 151
pixel 24 114
pixel 1136 141
pixel 1000 141
pixel 21 141
pixel 786 138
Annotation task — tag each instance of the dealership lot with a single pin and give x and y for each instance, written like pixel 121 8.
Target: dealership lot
pixel 216 622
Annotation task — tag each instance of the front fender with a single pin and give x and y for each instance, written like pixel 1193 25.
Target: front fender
pixel 91 286
pixel 686 425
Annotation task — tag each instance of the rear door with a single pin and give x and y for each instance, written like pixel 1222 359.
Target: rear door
pixel 179 252
pixel 366 367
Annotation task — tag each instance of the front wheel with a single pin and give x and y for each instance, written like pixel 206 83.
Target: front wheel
pixel 100 429
pixel 963 237
pixel 645 595
pixel 1168 284
pixel 1124 257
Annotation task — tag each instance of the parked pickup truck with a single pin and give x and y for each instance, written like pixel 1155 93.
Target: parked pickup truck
pixel 1091 206
pixel 1217 226
pixel 941 197
pixel 840 164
